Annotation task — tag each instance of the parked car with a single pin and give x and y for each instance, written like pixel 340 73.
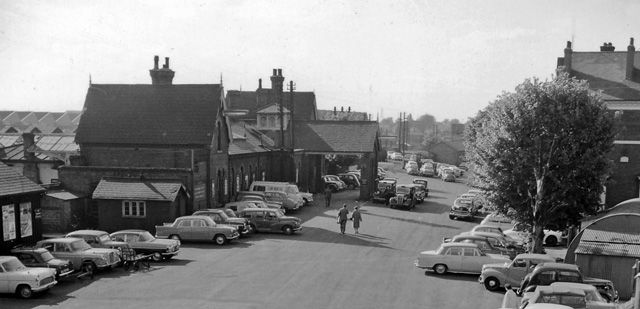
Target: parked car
pixel 405 197
pixel 500 240
pixel 219 216
pixel 457 257
pixel 550 237
pixel 24 281
pixel 575 295
pixel 381 173
pixel 411 164
pixel 143 242
pixel 41 257
pixel 98 239
pixel 495 276
pixel 291 189
pixel 461 209
pixel 424 183
pixel 447 175
pixel 413 171
pixel 427 170
pixel 238 206
pixel 334 183
pixel 497 219
pixel 385 189
pixel 396 156
pixel 81 254
pixel 230 213
pixel 197 228
pixel 483 243
pixel 263 201
pixel 288 203
pixel 547 273
pixel 269 220
pixel 351 180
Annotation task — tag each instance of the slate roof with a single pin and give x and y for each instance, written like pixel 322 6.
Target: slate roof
pixel 336 136
pixel 305 102
pixel 338 115
pixel 149 114
pixel 606 71
pixel 136 189
pixel 247 139
pixel 14 183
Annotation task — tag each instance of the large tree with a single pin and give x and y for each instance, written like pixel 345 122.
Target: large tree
pixel 540 152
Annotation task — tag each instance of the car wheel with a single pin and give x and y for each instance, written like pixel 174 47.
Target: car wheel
pixel 220 239
pixel 89 267
pixel 351 187
pixel 551 241
pixel 452 217
pixel 156 257
pixel 24 291
pixel 167 257
pixel 440 269
pixel 175 237
pixel 491 284
pixel 287 230
pixel 253 228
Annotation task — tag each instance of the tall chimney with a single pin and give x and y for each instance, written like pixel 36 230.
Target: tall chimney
pixel 277 81
pixel 567 57
pixel 162 76
pixel 631 54
pixel 259 83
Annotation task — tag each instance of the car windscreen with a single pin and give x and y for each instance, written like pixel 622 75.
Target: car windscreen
pixel 403 190
pixel 104 238
pixel 292 190
pixel 146 236
pixel 80 245
pixel 13 265
pixel 46 256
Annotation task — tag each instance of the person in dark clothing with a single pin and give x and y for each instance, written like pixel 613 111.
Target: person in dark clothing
pixel 327 196
pixel 356 217
pixel 343 216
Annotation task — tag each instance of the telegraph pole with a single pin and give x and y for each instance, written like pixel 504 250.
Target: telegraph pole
pixel 292 106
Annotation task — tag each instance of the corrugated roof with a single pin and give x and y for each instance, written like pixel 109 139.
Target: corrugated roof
pixel 612 249
pixel 150 114
pixel 136 189
pixel 13 183
pixel 610 237
pixel 336 136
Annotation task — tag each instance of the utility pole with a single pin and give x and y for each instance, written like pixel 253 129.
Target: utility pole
pixel 292 87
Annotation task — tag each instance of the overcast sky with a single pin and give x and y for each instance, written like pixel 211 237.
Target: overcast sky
pixel 445 58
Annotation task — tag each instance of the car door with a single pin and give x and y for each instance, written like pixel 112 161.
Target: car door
pixel 30 260
pixel 183 229
pixel 516 271
pixel 63 251
pixel 472 260
pixel 453 258
pixel 261 223
pixel 5 279
pixel 200 230
pixel 271 221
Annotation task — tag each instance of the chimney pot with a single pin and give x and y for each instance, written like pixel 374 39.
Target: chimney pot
pixel 259 83
pixel 166 62
pixel 342 109
pixel 155 62
pixel 275 72
pixel 631 41
pixel 279 72
pixel 631 55
pixel 335 111
pixel 569 44
pixel 349 109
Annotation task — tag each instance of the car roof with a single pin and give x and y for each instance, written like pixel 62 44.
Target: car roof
pixel 130 231
pixel 62 239
pixel 486 225
pixel 487 234
pixel 87 232
pixel 535 256
pixel 581 286
pixel 469 236
pixel 194 217
pixel 4 258
pixel 258 209
pixel 554 289
pixel 560 266
pixel 459 244
pixel 547 306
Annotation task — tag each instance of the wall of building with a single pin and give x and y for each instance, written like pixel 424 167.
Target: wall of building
pixel 623 183
pixel 26 226
pixel 60 216
pixel 615 268
pixel 111 220
pixel 169 157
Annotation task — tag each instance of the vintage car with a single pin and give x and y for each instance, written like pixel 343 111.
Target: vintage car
pixel 547 273
pixel 404 195
pixel 550 238
pixel 411 164
pixel 427 170
pixel 41 257
pixel 334 183
pixel 462 208
pixel 484 243
pixel 424 183
pixel 97 239
pixel 269 220
pixel 351 180
pixel 197 228
pixel 240 205
pixel 500 240
pixel 385 190
pixel 574 295
pixel 292 189
pixel 220 217
pixel 262 200
pixel 495 276
pixel 381 173
pixel 497 219
pixel 412 170
pixel 230 213
pixel 143 242
pixel 24 281
pixel 81 254
pixel 289 202
pixel 447 175
pixel 458 258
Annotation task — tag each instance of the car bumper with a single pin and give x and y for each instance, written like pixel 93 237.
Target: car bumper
pixel 459 214
pixel 417 264
pixel 65 273
pixel 297 229
pixel 44 287
pixel 112 264
pixel 172 253
pixel 236 236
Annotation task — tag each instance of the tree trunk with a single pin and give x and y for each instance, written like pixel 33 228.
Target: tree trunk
pixel 538 236
pixel 538 220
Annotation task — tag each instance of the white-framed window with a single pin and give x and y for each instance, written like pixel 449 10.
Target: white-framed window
pixel 135 209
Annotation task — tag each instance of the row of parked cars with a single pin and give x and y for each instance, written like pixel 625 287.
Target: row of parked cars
pixel 396 195
pixel 348 181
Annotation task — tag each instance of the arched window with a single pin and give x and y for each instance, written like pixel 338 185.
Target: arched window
pixel 218 137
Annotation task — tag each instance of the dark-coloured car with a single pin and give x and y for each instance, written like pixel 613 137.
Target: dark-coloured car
pixel 425 186
pixel 406 197
pixel 41 257
pixel 385 189
pixel 350 179
pixel 219 216
pixel 143 242
pixel 462 208
pixel 270 220
pixel 289 202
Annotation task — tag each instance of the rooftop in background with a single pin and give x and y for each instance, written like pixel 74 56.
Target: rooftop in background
pixel 48 147
pixel 137 189
pixel 14 183
pixel 336 114
pixel 326 136
pixel 39 122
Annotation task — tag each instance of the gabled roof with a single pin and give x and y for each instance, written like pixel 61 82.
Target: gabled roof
pixel 336 136
pixel 150 114
pixel 606 71
pixel 137 189
pixel 305 102
pixel 247 139
pixel 273 109
pixel 13 183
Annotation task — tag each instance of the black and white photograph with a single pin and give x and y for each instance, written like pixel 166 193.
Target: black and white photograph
pixel 320 154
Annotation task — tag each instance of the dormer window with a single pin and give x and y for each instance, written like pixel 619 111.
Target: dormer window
pixel 269 118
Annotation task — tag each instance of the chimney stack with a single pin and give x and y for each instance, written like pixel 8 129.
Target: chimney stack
pixel 162 76
pixel 259 83
pixel 631 54
pixel 335 112
pixel 342 109
pixel 349 109
pixel 567 57
pixel 277 81
pixel 607 47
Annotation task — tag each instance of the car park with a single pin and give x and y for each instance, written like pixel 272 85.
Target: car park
pixel 81 254
pixel 458 258
pixel 143 242
pixel 385 189
pixel 41 257
pixel 424 184
pixel 97 239
pixel 351 180
pixel 495 276
pixel 16 278
pixel 197 228
pixel 269 220
pixel 219 216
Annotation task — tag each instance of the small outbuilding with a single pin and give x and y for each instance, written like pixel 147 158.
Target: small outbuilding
pixel 608 248
pixel 129 203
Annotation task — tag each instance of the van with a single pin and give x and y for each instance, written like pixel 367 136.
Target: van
pixel 290 189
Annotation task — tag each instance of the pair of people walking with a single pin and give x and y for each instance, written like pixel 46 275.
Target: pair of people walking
pixel 343 217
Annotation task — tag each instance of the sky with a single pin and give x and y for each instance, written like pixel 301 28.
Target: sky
pixel 446 58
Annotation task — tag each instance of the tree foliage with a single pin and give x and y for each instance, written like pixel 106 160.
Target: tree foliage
pixel 540 152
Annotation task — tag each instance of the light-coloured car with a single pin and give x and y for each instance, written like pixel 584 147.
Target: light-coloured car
pixel 574 295
pixel 22 280
pixel 81 254
pixel 197 228
pixel 447 175
pixel 550 238
pixel 497 219
pixel 143 242
pixel 411 165
pixel 457 257
pixel 97 239
pixel 495 276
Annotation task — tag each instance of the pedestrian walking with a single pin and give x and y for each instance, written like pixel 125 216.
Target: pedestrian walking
pixel 356 217
pixel 343 216
pixel 327 196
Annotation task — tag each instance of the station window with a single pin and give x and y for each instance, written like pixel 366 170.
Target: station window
pixel 136 209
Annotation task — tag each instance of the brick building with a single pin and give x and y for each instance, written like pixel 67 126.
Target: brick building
pixel 616 74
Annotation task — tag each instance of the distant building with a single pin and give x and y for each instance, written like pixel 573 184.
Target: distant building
pixel 342 115
pixel 448 152
pixel 39 122
pixel 617 75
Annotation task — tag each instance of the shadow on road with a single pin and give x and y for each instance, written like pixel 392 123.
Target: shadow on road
pixel 450 276
pixel 413 221
pixel 314 234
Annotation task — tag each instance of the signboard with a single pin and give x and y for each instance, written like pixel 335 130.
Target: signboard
pixel 199 192
pixel 8 222
pixel 26 225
